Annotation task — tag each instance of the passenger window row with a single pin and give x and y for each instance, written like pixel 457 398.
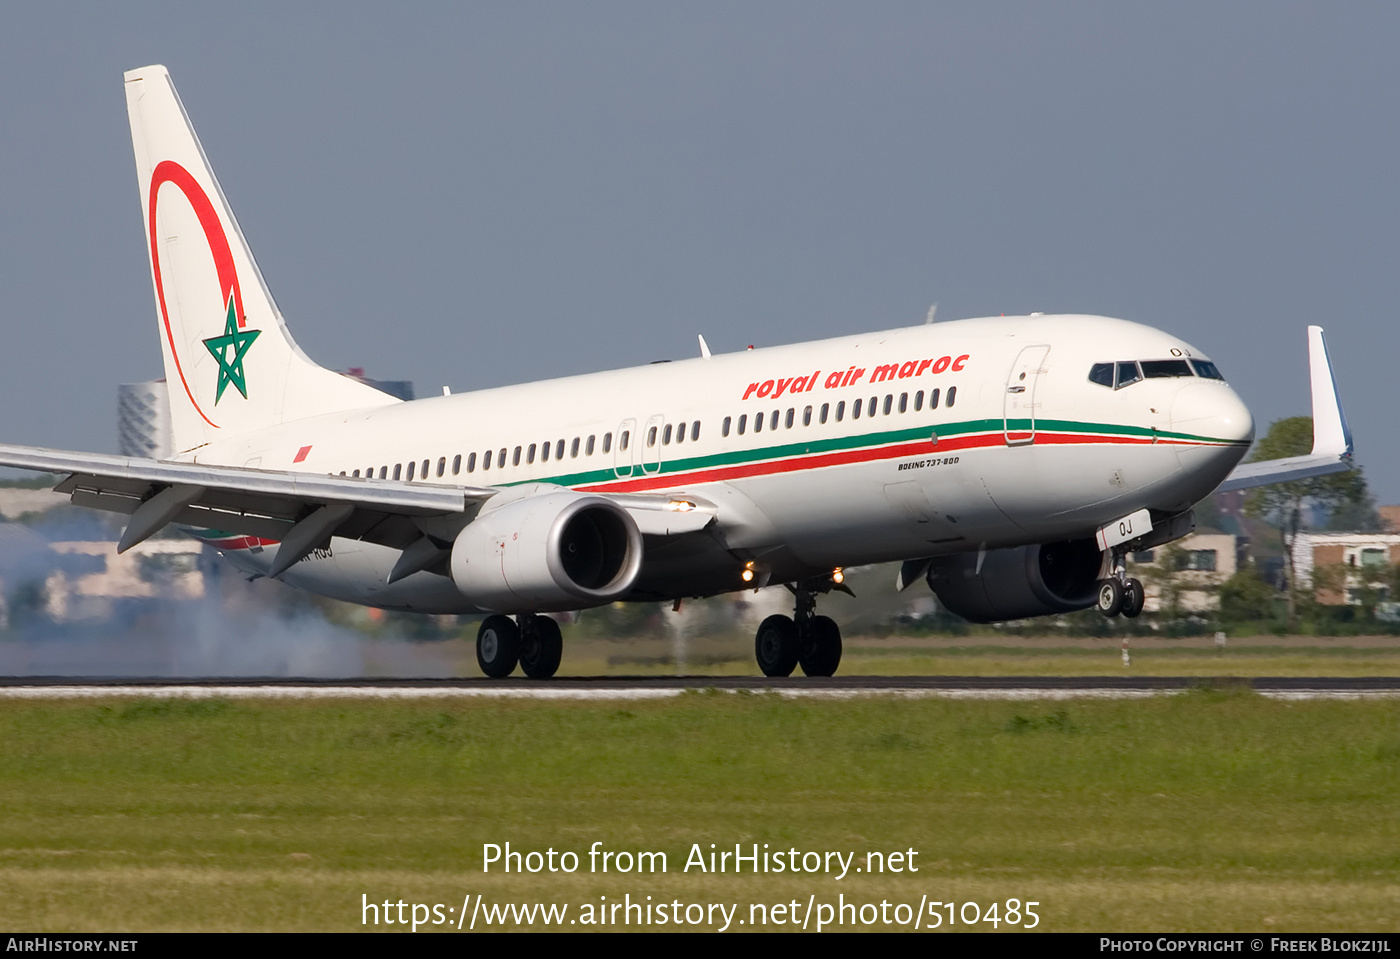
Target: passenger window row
pixel 666 434
pixel 528 455
pixel 890 405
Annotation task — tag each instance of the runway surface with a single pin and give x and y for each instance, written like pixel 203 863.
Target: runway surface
pixel 651 687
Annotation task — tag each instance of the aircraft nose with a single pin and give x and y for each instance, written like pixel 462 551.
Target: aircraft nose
pixel 1212 411
pixel 1213 431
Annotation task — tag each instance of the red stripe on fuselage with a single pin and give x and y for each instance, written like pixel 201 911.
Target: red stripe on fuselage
pixel 868 455
pixel 240 542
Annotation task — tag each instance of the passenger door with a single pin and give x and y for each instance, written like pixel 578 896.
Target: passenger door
pixel 1018 409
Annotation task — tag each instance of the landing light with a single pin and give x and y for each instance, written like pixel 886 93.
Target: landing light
pixel 747 574
pixel 680 506
pixel 838 576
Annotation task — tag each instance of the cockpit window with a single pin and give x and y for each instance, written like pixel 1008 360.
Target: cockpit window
pixel 1127 372
pixel 1158 369
pixel 1207 370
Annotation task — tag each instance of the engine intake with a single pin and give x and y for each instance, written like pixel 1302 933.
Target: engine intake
pixel 545 552
pixel 1018 582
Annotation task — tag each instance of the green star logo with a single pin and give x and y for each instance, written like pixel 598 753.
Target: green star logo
pixel 231 368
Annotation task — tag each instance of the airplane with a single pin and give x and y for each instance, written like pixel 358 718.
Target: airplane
pixel 1009 462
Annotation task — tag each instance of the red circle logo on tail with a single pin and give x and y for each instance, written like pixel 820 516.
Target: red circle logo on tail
pixel 168 171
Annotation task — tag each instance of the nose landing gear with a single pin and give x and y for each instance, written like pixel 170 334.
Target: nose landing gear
pixel 1111 593
pixel 1133 599
pixel 1119 594
pixel 805 639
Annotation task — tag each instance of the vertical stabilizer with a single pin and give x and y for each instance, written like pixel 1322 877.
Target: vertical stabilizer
pixel 230 362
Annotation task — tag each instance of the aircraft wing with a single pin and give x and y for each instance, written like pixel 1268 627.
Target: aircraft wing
pixel 299 510
pixel 1332 445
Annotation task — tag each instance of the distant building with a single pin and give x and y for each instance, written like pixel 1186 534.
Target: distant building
pixel 1390 518
pixel 16 501
pixel 22 552
pixel 85 580
pixel 1362 560
pixel 403 389
pixel 143 420
pixel 1201 562
pixel 155 569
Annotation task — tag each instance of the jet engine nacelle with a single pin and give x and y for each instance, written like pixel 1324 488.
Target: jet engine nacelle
pixel 544 552
pixel 1018 582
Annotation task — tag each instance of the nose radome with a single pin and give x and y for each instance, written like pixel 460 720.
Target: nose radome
pixel 1213 430
pixel 1211 411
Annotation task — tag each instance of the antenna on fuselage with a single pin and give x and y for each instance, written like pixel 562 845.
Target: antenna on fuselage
pixel 932 312
pixel 704 347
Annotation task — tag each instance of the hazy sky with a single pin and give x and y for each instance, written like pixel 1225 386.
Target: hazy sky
pixel 480 194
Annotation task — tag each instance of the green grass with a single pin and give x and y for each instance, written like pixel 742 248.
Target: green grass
pixel 1204 811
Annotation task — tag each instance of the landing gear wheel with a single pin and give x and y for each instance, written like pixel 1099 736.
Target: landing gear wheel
pixel 776 646
pixel 541 646
pixel 1133 598
pixel 497 646
pixel 1110 597
pixel 821 647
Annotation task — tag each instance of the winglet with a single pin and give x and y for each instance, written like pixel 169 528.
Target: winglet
pixel 1331 435
pixel 1332 445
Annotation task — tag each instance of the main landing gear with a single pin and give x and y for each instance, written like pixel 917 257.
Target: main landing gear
pixel 805 639
pixel 534 642
pixel 1119 594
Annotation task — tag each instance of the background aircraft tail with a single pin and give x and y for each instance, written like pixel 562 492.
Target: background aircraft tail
pixel 230 362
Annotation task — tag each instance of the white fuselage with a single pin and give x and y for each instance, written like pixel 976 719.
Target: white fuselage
pixel 1019 447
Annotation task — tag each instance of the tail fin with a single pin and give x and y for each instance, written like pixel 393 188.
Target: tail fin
pixel 230 362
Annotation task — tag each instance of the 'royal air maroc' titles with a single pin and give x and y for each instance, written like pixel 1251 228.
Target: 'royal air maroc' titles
pixel 772 389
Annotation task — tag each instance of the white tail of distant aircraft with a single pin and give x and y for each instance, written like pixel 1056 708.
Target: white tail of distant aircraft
pixel 1011 462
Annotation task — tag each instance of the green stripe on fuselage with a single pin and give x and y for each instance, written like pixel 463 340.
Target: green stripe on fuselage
pixel 861 441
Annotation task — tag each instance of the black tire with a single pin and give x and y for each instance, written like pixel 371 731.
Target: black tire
pixel 776 647
pixel 821 647
pixel 1110 597
pixel 541 647
pixel 1133 598
pixel 497 646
